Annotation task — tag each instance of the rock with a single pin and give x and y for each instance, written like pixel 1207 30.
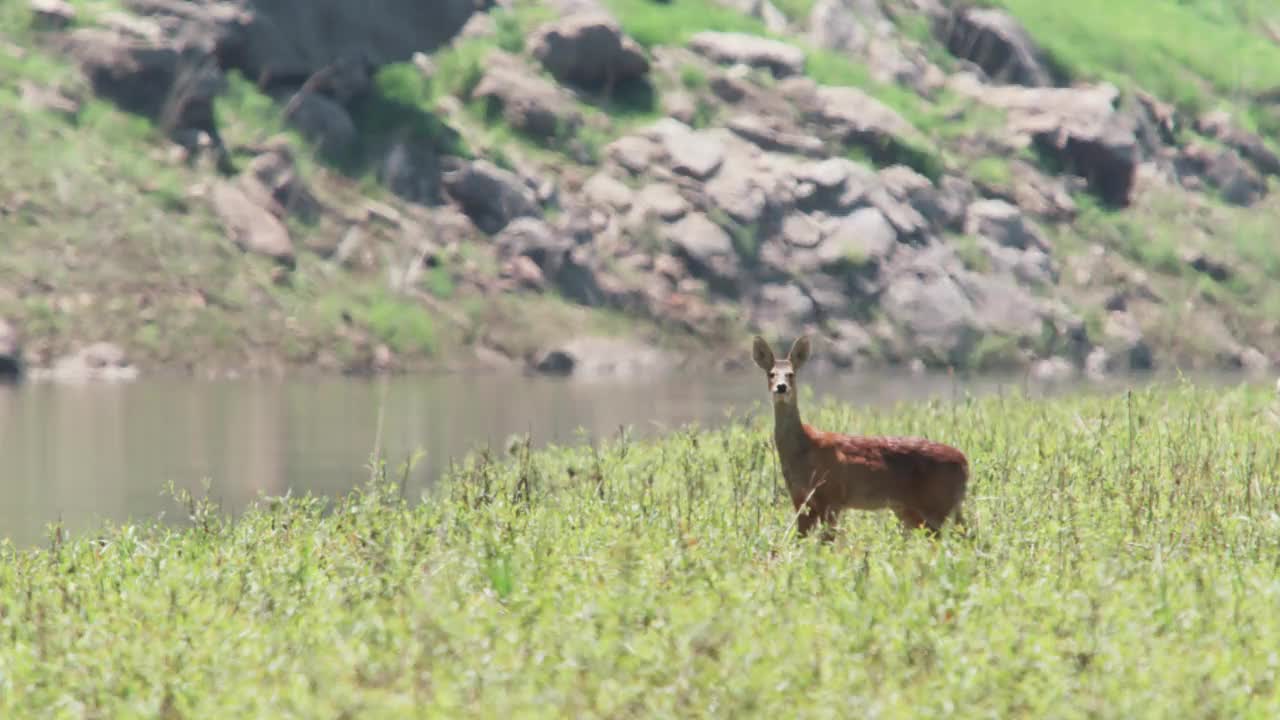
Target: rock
pixel 1124 337
pixel 603 189
pixel 1032 265
pixel 99 361
pixel 852 117
pixel 910 224
pixel 705 245
pixel 783 309
pixel 173 86
pixel 322 121
pixel 773 135
pixel 1201 262
pixel 527 102
pixel 1096 364
pixel 292 40
pixel 250 226
pixel 911 188
pixel 1054 369
pixel 695 153
pixel 801 231
pixel 1224 169
pixel 729 48
pixel 848 343
pixel 863 237
pixel 489 195
pixel 1253 361
pixel 663 201
pixel 1040 195
pixel 11 365
pixel 1219 126
pixel 589 50
pixel 535 239
pixel 931 309
pixel 52 14
pixel 525 272
pixel 1079 127
pixel 411 169
pixel 997 43
pixel 600 357
pixel 633 153
pixel 1002 223
pixel 48 99
pixel 681 105
pixel 272 180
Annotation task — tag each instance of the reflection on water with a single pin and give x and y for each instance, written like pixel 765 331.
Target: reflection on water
pixel 100 452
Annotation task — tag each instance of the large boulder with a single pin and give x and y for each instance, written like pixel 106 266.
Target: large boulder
pixel 997 43
pixel 172 84
pixel 706 246
pixel 1079 127
pixel 528 102
pixel 290 40
pixel 589 50
pixel 252 227
pixel 490 196
pixel 1224 170
pixel 852 117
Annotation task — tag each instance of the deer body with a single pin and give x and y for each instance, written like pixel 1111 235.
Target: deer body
pixel 921 481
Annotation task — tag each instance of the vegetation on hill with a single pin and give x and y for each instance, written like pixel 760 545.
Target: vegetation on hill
pixel 115 233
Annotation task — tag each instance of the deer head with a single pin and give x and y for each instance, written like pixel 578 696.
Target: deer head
pixel 781 373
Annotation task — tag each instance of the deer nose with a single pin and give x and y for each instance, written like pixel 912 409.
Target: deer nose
pixel 780 388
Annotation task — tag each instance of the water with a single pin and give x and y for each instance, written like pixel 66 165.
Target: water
pixel 85 454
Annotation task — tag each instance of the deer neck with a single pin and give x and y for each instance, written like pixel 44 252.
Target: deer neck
pixel 788 430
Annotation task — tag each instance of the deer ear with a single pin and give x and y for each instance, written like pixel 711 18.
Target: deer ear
pixel 799 354
pixel 761 353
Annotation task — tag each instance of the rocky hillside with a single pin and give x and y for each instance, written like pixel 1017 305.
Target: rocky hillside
pixel 600 185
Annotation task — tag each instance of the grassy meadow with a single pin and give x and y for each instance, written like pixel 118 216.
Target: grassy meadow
pixel 1122 563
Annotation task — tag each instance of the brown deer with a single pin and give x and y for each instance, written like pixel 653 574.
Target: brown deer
pixel 922 481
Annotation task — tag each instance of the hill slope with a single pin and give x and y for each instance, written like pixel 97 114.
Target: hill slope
pixel 585 187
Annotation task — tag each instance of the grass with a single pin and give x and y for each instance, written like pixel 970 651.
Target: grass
pixel 1122 564
pixel 1183 51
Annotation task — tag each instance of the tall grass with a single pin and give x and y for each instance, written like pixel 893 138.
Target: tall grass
pixel 1122 564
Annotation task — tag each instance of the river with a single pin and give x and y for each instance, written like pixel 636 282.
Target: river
pixel 83 454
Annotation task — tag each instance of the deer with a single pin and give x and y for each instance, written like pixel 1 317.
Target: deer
pixel 923 482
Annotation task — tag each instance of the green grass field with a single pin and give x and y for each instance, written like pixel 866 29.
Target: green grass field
pixel 1123 563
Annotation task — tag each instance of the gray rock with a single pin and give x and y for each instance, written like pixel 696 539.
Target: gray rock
pixel 695 153
pixel 322 121
pixel 1002 223
pixel 250 226
pixel 705 245
pixel 729 48
pixel 662 200
pixel 588 50
pixel 1079 127
pixel 528 102
pixel 604 189
pixel 865 236
pixel 489 195
pixel 998 44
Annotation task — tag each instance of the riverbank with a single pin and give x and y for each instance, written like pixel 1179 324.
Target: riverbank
pixel 1121 562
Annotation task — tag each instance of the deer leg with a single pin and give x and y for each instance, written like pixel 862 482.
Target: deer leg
pixel 911 519
pixel 806 518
